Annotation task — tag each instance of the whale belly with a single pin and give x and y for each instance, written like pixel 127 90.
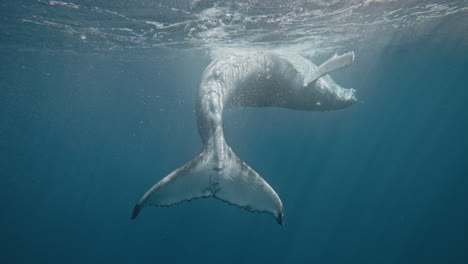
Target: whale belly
pixel 253 81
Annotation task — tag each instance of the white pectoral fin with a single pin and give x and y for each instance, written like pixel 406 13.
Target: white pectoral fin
pixel 236 183
pixel 240 185
pixel 334 63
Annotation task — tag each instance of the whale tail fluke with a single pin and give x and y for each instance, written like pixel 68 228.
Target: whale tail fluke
pixel 232 181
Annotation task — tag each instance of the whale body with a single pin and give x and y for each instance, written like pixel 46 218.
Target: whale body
pixel 246 80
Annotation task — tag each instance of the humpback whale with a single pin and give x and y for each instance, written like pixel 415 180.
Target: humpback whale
pixel 246 80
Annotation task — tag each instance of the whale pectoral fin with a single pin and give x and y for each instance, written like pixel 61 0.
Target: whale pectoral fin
pixel 240 185
pixel 184 184
pixel 334 63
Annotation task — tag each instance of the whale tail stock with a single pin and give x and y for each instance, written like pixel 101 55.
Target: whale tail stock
pixel 229 179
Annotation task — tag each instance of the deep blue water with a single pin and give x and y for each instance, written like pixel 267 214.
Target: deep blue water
pixel 82 137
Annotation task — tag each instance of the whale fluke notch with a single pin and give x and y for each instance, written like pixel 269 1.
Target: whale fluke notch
pixel 333 64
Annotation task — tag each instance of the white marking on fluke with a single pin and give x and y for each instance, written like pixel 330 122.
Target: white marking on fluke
pixel 247 80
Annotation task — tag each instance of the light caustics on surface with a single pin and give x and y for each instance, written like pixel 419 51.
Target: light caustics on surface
pixel 299 24
pixel 246 80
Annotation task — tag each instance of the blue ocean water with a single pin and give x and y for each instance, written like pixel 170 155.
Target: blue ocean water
pixel 84 134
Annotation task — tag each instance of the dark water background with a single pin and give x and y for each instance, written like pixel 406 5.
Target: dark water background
pixel 82 137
